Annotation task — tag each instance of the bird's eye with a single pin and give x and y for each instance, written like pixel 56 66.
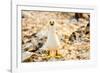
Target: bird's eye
pixel 53 22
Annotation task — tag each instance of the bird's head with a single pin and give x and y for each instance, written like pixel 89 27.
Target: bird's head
pixel 51 22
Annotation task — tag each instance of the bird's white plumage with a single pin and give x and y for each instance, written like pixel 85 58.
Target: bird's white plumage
pixel 52 41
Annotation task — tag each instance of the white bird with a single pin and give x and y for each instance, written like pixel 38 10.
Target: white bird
pixel 52 38
pixel 52 43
